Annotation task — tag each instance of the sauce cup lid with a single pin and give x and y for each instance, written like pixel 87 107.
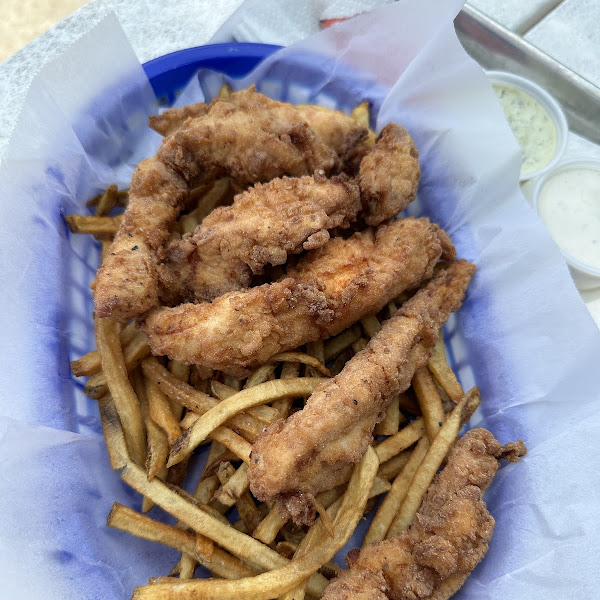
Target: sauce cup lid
pixel 549 104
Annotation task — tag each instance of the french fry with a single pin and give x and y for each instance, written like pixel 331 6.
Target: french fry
pixel 225 91
pixel 210 198
pixel 120 197
pixel 161 413
pixel 231 440
pixel 392 420
pixel 341 342
pixel 267 530
pixel 429 400
pixel 248 511
pixel 408 403
pixel 93 225
pixel 265 414
pixel 113 433
pixel 206 489
pixel 194 400
pixel 432 461
pixel 359 344
pixel 391 503
pixel 239 544
pixel 280 580
pixel 305 359
pixel 237 485
pixel 260 375
pixel 370 325
pixel 228 409
pixel 389 469
pixel 405 438
pixel 107 201
pixel 133 353
pixel 200 548
pixel 442 372
pixel 126 402
pixel 91 363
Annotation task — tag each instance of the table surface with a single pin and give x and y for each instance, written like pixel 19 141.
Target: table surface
pixel 551 25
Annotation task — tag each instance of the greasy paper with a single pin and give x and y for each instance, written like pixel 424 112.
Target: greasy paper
pixel 523 334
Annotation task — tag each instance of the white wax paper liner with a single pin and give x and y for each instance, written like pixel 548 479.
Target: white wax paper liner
pixel 523 334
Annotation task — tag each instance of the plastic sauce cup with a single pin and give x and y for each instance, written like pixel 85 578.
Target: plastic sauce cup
pixel 568 201
pixel 547 104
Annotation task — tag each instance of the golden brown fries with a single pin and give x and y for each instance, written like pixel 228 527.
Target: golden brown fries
pixel 155 413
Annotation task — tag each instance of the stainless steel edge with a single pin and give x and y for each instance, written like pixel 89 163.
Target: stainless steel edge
pixel 495 47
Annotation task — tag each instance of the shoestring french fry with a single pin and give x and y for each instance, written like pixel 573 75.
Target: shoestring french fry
pixel 402 440
pixel 393 499
pixel 209 555
pixel 93 225
pixel 444 375
pixel 391 421
pixel 305 359
pixel 337 344
pixel 91 363
pixel 370 325
pixel 228 409
pixel 121 197
pixel 267 530
pixel 239 544
pixel 265 414
pixel 429 401
pixel 237 484
pixel 161 413
pixel 280 580
pixel 260 375
pixel 133 353
pixel 432 461
pixel 194 400
pixel 113 433
pixel 125 400
pixel 391 467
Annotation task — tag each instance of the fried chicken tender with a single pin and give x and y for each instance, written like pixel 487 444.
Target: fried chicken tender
pixel 293 460
pixel 447 539
pixel 338 130
pixel 249 137
pixel 389 175
pixel 328 290
pixel 264 224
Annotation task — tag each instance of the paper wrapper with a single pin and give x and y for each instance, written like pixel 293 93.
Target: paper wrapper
pixel 523 334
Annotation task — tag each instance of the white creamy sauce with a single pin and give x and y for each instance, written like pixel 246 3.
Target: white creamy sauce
pixel 569 204
pixel 531 124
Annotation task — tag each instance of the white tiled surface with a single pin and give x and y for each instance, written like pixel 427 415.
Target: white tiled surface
pixel 517 15
pixel 571 35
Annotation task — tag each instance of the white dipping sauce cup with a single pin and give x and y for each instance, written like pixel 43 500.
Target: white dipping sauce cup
pixel 585 276
pixel 549 104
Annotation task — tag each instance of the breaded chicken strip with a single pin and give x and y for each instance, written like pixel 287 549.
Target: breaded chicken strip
pixel 338 130
pixel 329 289
pixel 447 539
pixel 295 459
pixel 264 224
pixel 249 137
pixel 389 175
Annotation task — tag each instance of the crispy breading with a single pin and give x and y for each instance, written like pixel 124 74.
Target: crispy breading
pixel 447 539
pixel 249 137
pixel 264 225
pixel 389 175
pixel 328 290
pixel 338 130
pixel 295 459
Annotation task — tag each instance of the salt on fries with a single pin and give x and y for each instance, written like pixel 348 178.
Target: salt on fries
pixel 155 413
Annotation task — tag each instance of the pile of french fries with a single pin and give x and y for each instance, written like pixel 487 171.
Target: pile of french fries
pixel 155 412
